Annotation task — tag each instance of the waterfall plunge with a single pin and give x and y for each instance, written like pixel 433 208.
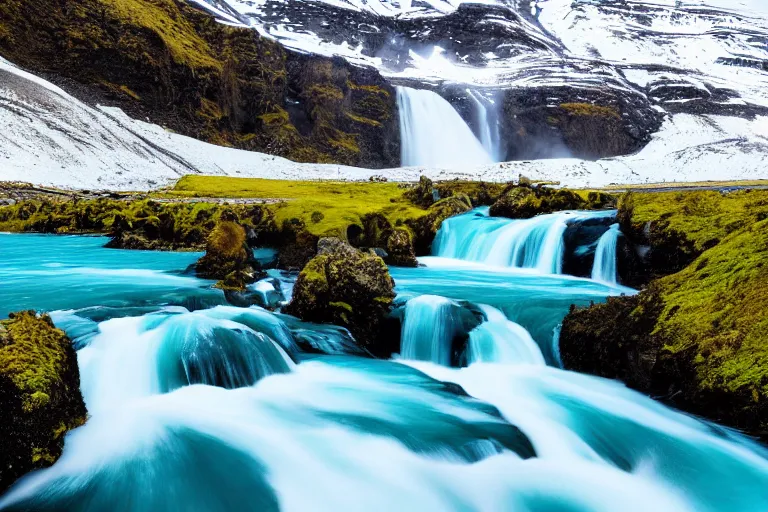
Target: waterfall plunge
pixel 604 268
pixel 433 134
pixel 488 126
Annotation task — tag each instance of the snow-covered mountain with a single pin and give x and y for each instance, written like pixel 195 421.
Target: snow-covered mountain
pixel 662 90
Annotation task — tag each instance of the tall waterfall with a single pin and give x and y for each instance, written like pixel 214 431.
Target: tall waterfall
pixel 604 268
pixel 530 243
pixel 488 125
pixel 433 134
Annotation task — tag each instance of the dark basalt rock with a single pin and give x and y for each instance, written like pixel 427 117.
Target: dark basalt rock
pixel 558 121
pixel 40 395
pixel 615 339
pixel 347 287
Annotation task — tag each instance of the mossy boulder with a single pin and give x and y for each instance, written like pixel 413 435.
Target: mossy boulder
pixel 424 194
pixel 425 228
pixel 40 395
pixel 347 287
pixel 400 251
pixel 522 202
pixel 228 259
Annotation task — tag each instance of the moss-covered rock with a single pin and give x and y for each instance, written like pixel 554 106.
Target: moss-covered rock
pixel 522 202
pixel 347 287
pixel 228 259
pixel 400 251
pixel 425 228
pixel 40 395
pixel 424 194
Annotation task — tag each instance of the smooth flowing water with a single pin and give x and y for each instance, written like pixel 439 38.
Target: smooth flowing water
pixel 433 134
pixel 199 406
pixel 604 268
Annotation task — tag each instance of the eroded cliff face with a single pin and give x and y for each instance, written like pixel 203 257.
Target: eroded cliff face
pixel 165 61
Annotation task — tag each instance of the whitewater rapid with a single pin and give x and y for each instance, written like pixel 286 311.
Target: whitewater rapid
pixel 198 405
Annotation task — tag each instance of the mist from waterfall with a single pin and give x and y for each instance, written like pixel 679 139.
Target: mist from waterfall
pixel 433 134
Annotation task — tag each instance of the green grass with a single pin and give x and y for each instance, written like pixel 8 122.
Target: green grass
pixel 718 306
pixel 705 217
pixel 340 203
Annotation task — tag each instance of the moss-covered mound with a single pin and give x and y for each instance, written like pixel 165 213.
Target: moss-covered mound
pixel 40 395
pixel 347 287
pixel 167 61
pixel 524 202
pixel 228 259
pixel 425 228
pixel 697 337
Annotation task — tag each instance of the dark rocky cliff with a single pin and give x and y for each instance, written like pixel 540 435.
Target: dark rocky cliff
pixel 165 61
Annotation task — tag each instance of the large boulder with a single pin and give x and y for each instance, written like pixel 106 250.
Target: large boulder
pixel 228 259
pixel 40 395
pixel 347 287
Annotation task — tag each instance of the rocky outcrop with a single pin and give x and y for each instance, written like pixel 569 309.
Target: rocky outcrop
pixel 175 65
pixel 347 287
pixel 562 121
pixel 40 395
pixel 696 337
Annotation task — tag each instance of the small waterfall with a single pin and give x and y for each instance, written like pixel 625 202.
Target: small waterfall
pixel 430 324
pixel 433 134
pixel 535 243
pixel 488 126
pixel 604 268
pixel 498 340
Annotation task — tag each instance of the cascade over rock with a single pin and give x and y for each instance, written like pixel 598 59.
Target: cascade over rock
pixel 347 287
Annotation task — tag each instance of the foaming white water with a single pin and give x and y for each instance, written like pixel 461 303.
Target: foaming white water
pixel 604 267
pixel 573 418
pixel 294 441
pixel 498 340
pixel 433 134
pixel 430 324
pixel 135 357
pixel 531 243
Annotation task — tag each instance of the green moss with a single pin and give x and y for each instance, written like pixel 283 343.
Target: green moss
pixel 705 217
pixel 589 109
pixel 717 308
pixel 340 203
pixel 39 394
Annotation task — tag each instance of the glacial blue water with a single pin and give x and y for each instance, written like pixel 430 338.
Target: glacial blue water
pixel 195 405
